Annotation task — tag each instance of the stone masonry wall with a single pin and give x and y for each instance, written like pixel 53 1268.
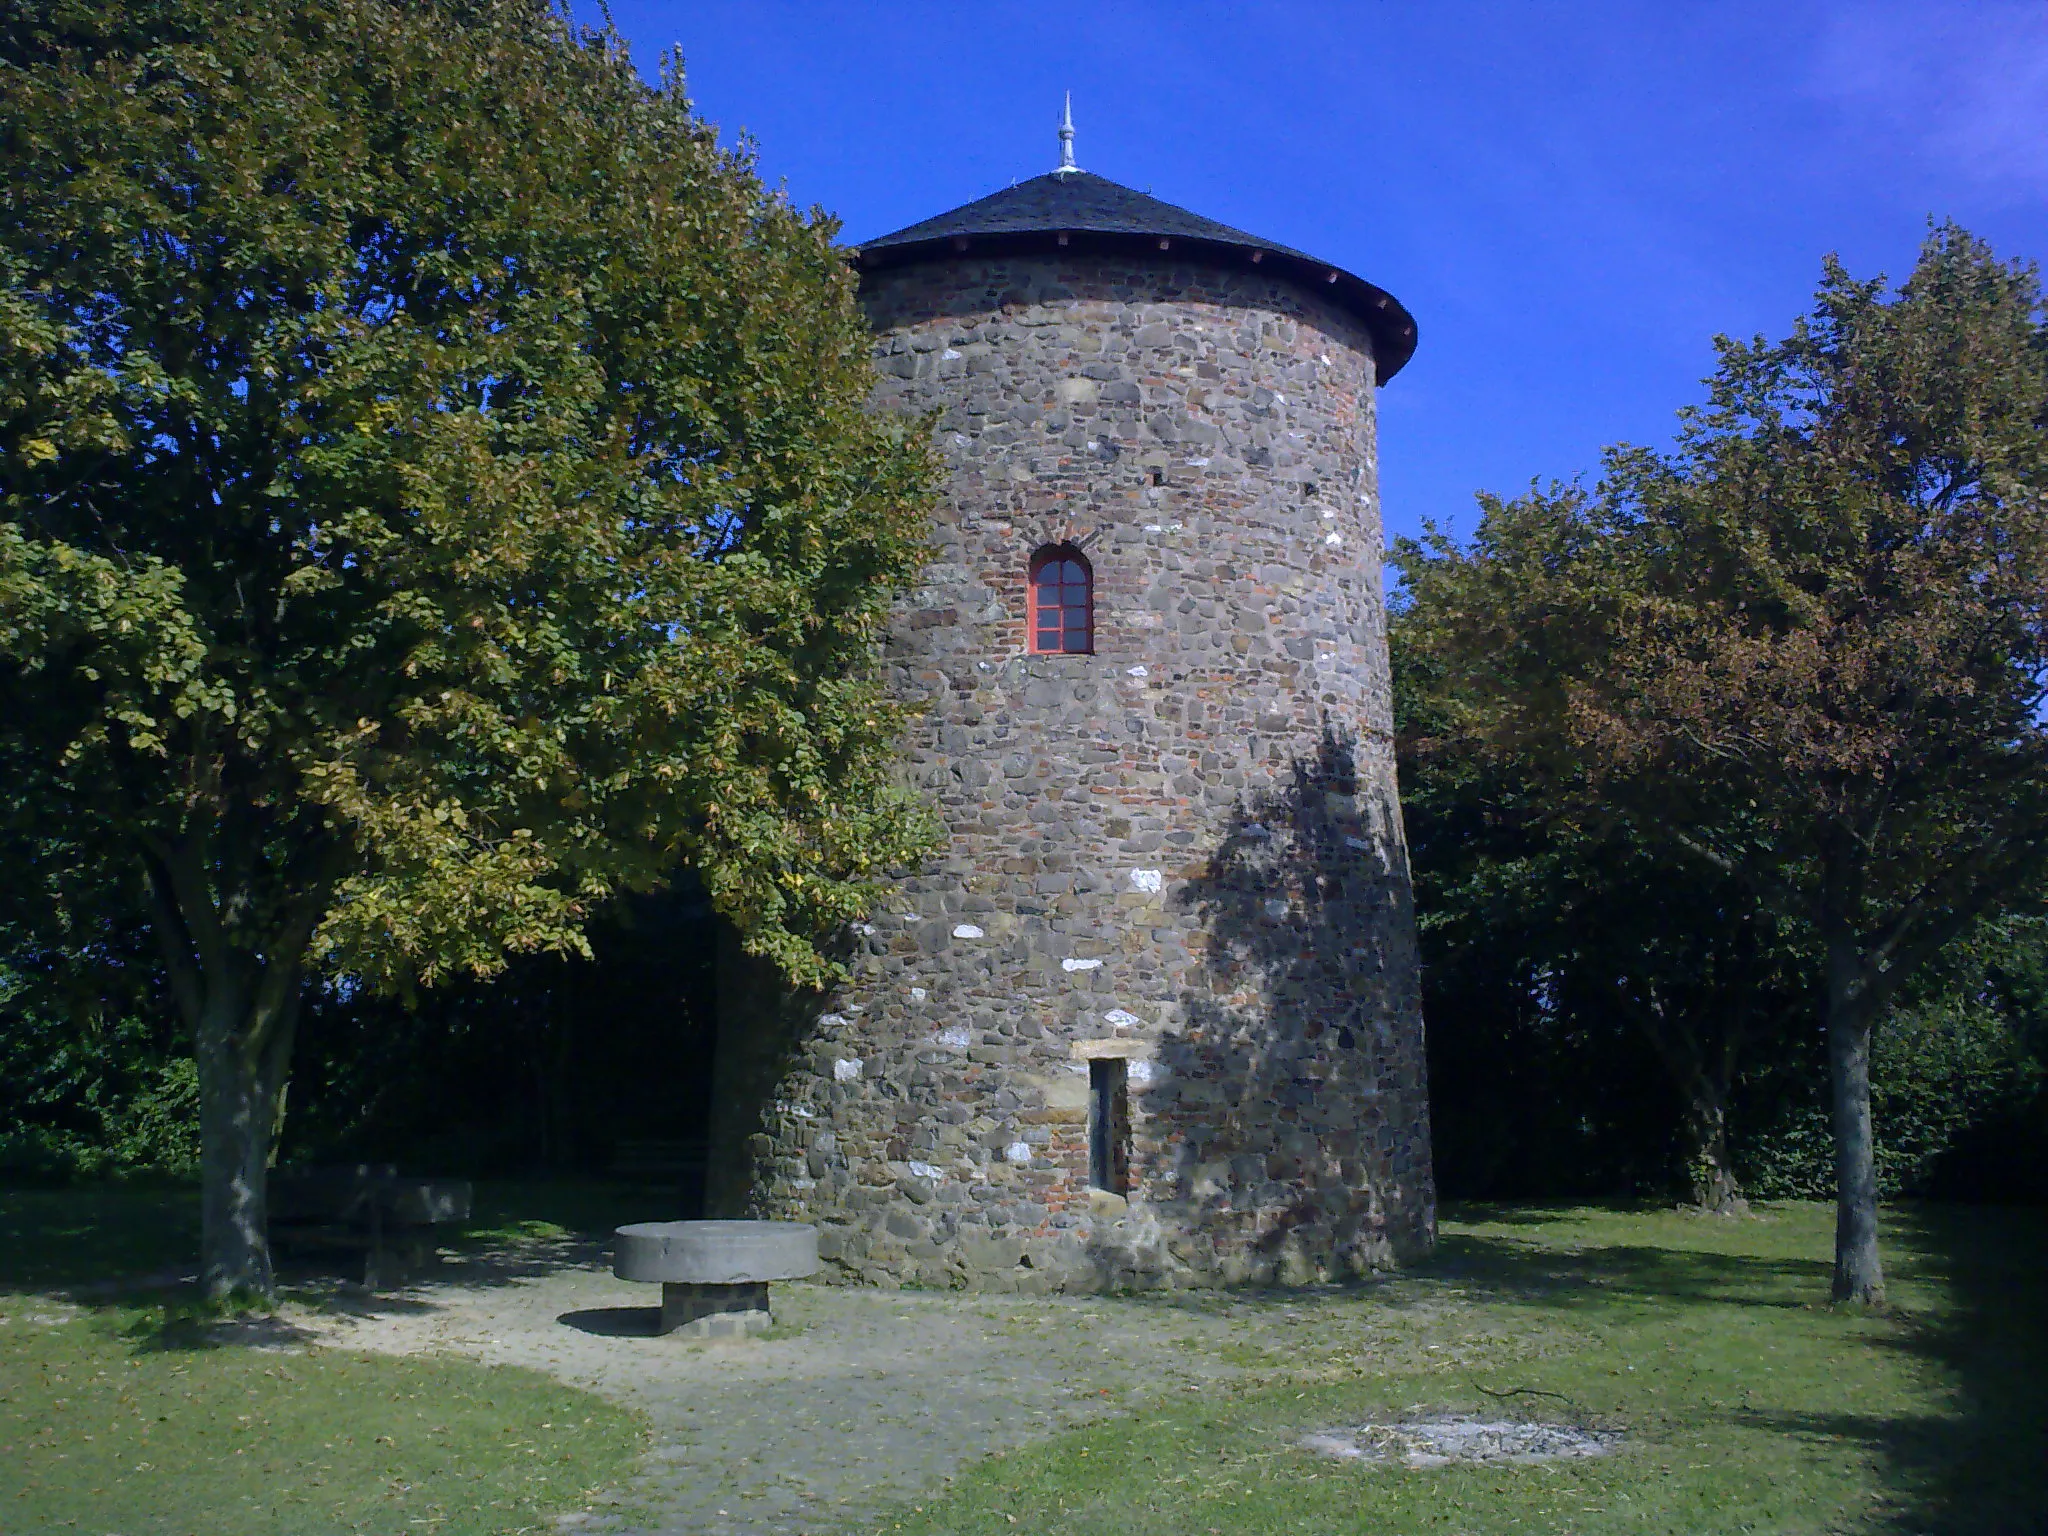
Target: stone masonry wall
pixel 1183 851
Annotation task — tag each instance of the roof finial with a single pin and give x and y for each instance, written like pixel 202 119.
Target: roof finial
pixel 1067 139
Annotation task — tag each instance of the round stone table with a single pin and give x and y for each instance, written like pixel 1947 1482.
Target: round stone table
pixel 714 1275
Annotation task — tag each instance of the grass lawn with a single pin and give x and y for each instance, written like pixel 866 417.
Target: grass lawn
pixel 125 1414
pixel 1748 1404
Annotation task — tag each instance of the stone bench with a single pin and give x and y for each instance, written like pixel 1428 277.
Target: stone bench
pixel 714 1275
pixel 368 1208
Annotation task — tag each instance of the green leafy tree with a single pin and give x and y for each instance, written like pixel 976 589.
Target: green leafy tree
pixel 437 496
pixel 1594 927
pixel 95 1072
pixel 1809 648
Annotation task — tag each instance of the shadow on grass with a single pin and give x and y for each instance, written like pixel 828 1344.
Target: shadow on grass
pixel 1517 1268
pixel 97 1238
pixel 136 1244
pixel 1967 1291
pixel 1984 1466
pixel 1530 1214
pixel 177 1329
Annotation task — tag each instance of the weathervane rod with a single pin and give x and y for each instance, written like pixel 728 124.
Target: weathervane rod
pixel 1067 138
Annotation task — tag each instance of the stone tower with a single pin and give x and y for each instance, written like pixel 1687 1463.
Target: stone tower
pixel 1151 1017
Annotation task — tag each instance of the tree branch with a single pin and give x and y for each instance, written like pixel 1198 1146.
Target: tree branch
pixel 174 939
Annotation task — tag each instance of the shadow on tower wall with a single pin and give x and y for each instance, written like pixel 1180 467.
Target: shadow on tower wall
pixel 1289 1126
pixel 765 1026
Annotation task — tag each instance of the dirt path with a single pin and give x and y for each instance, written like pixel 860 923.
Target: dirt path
pixel 859 1397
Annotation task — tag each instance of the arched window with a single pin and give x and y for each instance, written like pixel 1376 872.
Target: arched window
pixel 1062 601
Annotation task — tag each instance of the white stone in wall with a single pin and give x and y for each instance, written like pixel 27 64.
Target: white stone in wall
pixel 1138 1070
pixel 1119 1018
pixel 1018 1152
pixel 1151 881
pixel 958 1038
pixel 846 1069
pixel 1080 965
pixel 917 994
pixel 966 931
pixel 926 1171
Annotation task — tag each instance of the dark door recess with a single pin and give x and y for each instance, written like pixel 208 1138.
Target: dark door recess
pixel 1109 1126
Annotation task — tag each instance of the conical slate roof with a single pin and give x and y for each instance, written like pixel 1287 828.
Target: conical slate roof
pixel 1072 200
pixel 1081 210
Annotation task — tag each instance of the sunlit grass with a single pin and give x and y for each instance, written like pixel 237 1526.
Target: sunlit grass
pixel 105 1426
pixel 149 1412
pixel 1748 1403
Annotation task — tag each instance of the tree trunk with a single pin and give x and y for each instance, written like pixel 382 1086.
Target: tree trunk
pixel 239 994
pixel 1713 1179
pixel 234 1155
pixel 1705 1082
pixel 1858 1274
pixel 241 1106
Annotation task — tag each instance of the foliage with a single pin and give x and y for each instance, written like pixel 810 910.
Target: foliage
pixel 548 1065
pixel 92 1097
pixel 96 1075
pixel 1636 984
pixel 435 496
pixel 544 527
pixel 1934 1073
pixel 1809 649
pixel 1952 1063
pixel 1546 1080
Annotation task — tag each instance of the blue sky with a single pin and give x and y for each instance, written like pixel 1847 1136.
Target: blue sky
pixel 1571 199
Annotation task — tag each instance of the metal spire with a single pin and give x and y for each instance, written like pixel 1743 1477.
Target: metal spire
pixel 1067 139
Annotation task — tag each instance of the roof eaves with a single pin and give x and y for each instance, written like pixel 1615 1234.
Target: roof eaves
pixel 1390 325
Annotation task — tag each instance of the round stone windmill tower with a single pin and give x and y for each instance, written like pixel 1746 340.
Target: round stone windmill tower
pixel 1151 1016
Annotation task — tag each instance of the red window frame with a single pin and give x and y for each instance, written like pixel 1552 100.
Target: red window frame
pixel 1067 599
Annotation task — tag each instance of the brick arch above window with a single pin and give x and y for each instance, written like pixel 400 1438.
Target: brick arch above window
pixel 1062 601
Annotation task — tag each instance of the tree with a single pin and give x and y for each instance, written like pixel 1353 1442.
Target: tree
pixel 1807 649
pixel 437 496
pixel 95 1070
pixel 1581 927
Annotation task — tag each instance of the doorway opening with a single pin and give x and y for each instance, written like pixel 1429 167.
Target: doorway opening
pixel 1109 1125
